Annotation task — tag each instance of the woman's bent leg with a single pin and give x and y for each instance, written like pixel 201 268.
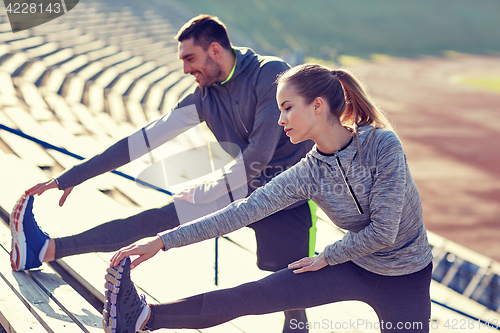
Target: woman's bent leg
pixel 280 291
pixel 403 303
pixel 113 235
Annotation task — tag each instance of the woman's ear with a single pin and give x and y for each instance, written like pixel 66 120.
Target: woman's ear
pixel 319 105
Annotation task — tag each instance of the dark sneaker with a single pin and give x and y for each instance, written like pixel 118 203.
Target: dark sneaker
pixel 28 239
pixel 123 305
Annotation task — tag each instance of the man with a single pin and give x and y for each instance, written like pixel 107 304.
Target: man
pixel 236 97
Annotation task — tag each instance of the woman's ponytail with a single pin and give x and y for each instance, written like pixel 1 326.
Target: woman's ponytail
pixel 359 110
pixel 346 97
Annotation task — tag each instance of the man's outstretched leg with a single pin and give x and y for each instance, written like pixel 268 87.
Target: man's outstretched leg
pixel 112 236
pixel 29 243
pixel 31 246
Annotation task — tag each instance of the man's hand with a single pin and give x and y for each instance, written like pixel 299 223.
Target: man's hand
pixel 186 195
pixel 308 264
pixel 144 251
pixel 51 183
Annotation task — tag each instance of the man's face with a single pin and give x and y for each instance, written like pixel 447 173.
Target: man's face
pixel 199 63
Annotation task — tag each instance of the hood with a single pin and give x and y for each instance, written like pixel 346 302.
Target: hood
pixel 244 57
pixel 364 133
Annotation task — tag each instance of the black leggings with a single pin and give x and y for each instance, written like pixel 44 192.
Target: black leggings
pixel 402 303
pixel 282 238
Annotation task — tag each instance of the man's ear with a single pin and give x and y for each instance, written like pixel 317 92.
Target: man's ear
pixel 215 50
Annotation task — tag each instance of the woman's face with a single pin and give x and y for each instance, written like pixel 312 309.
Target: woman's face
pixel 297 118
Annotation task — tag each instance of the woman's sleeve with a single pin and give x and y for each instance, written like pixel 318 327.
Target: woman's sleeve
pixel 281 192
pixel 386 205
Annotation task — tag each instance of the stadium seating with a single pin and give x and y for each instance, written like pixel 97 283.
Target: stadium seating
pixel 91 77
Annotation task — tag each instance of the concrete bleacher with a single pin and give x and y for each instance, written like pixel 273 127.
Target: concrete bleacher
pixel 40 301
pixel 91 77
pixel 74 55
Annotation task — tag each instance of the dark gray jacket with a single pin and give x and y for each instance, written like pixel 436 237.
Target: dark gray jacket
pixel 242 111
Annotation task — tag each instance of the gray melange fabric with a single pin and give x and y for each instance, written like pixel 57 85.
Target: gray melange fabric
pixel 389 238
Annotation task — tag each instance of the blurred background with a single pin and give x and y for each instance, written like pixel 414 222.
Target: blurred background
pixel 326 30
pixel 92 76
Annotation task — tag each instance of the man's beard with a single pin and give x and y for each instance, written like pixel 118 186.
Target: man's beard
pixel 212 73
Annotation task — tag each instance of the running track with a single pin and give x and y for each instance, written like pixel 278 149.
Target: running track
pixel 451 137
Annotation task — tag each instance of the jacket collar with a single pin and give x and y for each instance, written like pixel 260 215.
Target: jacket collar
pixel 244 57
pixel 348 152
pixel 232 70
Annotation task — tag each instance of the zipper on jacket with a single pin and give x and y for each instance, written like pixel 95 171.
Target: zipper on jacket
pixel 239 116
pixel 237 108
pixel 358 206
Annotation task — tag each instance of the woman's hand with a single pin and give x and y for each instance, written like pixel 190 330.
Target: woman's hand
pixel 308 264
pixel 51 183
pixel 144 251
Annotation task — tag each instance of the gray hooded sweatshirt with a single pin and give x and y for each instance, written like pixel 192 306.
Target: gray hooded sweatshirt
pixel 242 111
pixel 387 238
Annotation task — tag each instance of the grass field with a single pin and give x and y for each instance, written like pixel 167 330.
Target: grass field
pixel 483 83
pixel 361 27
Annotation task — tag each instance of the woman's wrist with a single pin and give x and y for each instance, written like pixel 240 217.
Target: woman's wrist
pixel 159 244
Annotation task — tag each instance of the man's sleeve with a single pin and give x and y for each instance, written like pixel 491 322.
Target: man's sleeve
pixel 159 131
pixel 263 139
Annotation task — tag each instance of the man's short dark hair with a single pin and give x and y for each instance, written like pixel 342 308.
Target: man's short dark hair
pixel 205 29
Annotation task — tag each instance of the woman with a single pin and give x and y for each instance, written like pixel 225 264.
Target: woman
pixel 357 173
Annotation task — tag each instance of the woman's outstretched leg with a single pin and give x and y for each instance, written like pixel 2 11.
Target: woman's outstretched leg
pixel 400 299
pixel 280 291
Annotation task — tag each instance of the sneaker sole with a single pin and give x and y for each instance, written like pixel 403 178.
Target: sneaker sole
pixel 18 247
pixel 112 285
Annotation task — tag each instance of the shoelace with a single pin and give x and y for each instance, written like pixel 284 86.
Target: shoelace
pixel 144 303
pixel 143 300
